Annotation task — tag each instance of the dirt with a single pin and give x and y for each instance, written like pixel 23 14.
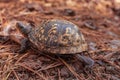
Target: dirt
pixel 98 20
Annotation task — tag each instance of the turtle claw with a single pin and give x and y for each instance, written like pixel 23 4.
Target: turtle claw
pixel 87 62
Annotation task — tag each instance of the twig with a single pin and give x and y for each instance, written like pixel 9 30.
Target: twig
pixel 51 66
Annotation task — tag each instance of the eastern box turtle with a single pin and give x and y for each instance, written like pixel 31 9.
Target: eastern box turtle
pixel 55 37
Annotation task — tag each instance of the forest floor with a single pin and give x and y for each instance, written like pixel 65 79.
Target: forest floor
pixel 98 20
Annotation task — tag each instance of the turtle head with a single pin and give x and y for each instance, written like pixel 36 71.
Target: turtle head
pixel 23 28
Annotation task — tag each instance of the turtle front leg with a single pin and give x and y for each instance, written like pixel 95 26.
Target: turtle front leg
pixel 24 45
pixel 88 62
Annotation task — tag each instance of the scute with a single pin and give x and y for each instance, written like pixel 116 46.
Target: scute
pixel 58 37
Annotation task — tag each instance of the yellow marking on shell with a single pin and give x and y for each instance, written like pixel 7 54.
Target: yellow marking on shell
pixel 68 30
pixel 36 35
pixel 75 26
pixel 42 31
pixel 68 34
pixel 42 37
pixel 83 39
pixel 77 40
pixel 45 39
pixel 55 40
pixel 41 27
pixel 52 30
pixel 55 24
pixel 77 36
pixel 63 41
pixel 39 39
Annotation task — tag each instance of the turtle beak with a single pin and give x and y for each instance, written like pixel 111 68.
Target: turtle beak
pixel 20 26
pixel 24 29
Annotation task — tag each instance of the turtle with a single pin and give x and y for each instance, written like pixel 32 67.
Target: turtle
pixel 55 36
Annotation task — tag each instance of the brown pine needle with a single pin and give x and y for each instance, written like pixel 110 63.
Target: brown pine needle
pixel 107 61
pixel 15 74
pixel 21 57
pixel 113 64
pixel 6 53
pixel 55 64
pixel 71 69
pixel 30 69
pixel 6 78
pixel 108 56
pixel 59 74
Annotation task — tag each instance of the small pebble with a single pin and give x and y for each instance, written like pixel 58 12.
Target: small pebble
pixel 69 12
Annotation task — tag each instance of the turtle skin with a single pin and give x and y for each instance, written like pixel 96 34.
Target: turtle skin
pixel 58 37
pixel 55 37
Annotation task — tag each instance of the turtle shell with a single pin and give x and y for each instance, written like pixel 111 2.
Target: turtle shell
pixel 57 37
